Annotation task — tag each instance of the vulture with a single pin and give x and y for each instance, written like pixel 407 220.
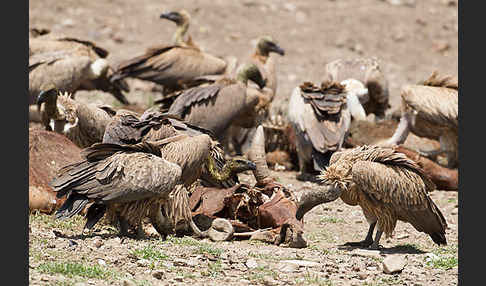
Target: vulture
pixel 154 125
pixel 84 124
pixel 320 118
pixel 388 187
pixel 70 64
pixel 368 72
pixel 241 137
pixel 430 110
pixel 171 65
pixel 218 105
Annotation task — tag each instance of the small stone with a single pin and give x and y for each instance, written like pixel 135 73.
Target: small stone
pixel 68 22
pixel 98 243
pixel 454 211
pixel 128 283
pixel 179 278
pixel 193 262
pixel 101 262
pixel 394 264
pixel 179 262
pixel 287 267
pixel 362 275
pixel 158 274
pixel 367 253
pixel 44 278
pixel 142 262
pixel 251 263
pixel 269 281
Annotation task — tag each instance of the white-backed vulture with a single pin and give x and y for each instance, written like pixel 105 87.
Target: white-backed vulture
pixel 262 57
pixel 430 110
pixel 171 65
pixel 84 124
pixel 70 64
pixel 368 72
pixel 320 118
pixel 388 187
pixel 225 102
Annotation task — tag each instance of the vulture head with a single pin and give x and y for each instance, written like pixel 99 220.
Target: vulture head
pixel 57 113
pixel 238 165
pixel 181 19
pixel 357 94
pixel 251 72
pixel 267 45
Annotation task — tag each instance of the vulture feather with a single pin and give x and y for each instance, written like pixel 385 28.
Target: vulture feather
pixel 430 110
pixel 367 71
pixel 388 187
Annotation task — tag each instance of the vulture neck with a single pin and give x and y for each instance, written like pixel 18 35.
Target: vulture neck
pixel 179 34
pixel 216 173
pixel 261 55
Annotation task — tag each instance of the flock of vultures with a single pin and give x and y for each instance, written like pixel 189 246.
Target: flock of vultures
pixel 175 165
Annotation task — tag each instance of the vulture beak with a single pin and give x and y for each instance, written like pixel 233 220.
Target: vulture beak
pixel 277 49
pixel 172 16
pixel 44 97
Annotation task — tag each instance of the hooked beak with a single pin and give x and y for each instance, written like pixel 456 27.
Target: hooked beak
pixel 171 16
pixel 43 96
pixel 278 50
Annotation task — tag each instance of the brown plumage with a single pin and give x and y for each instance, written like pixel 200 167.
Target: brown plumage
pixel 266 63
pixel 128 178
pixel 388 187
pixel 320 119
pixel 70 64
pixel 171 65
pixel 216 106
pixel 368 71
pixel 430 109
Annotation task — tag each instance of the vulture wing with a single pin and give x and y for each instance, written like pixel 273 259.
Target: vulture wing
pixel 403 188
pixel 170 65
pixel 115 173
pixel 437 105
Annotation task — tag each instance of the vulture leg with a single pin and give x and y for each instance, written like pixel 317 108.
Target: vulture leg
pixel 159 222
pixel 402 130
pixel 123 225
pixel 376 244
pixel 368 240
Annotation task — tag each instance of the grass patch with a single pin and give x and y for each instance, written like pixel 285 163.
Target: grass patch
pixel 214 269
pixel 208 249
pixel 258 274
pixel 443 257
pixel 262 256
pixel 320 250
pixel 148 252
pixel 70 270
pixel 313 279
pixel 74 223
pixel 186 241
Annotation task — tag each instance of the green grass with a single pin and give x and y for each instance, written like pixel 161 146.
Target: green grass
pixel 209 249
pixel 214 269
pixel 446 257
pixel 70 270
pixel 321 250
pixel 148 252
pixel 186 241
pixel 258 274
pixel 325 220
pixel 75 223
pixel 313 279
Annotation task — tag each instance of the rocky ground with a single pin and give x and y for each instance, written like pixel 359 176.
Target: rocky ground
pixel 411 38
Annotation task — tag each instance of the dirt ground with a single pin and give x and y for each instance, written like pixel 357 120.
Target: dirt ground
pixel 411 39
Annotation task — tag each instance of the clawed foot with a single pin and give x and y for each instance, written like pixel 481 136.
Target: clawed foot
pixel 375 246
